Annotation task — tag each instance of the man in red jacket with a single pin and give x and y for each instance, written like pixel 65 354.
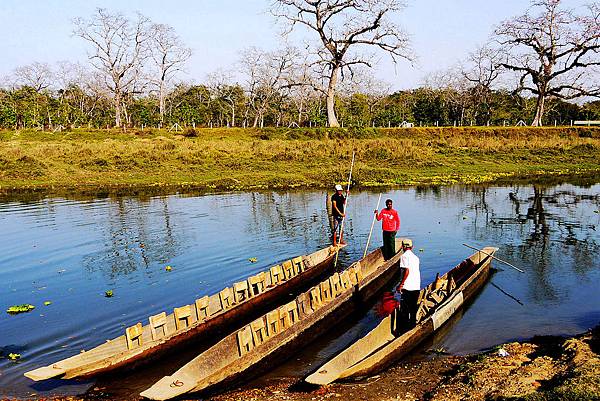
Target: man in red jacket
pixel 390 223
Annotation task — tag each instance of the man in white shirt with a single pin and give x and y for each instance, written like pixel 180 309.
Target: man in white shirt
pixel 411 282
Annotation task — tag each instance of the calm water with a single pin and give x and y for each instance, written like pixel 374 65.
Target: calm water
pixel 70 251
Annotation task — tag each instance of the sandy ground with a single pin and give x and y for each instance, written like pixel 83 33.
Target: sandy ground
pixel 545 368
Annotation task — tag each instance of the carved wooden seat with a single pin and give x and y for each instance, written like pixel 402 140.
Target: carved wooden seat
pixel 241 291
pixel 288 315
pixel 336 286
pixel 257 283
pixel 326 294
pixel 315 298
pixel 298 263
pixel 202 308
pixel 133 336
pixel 276 275
pixel 288 270
pixel 226 298
pixel 259 331
pixel 158 325
pixel 245 341
pixel 303 301
pixel 273 326
pixel 183 316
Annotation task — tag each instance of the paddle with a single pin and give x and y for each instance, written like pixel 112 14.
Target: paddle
pixel 337 252
pixel 372 225
pixel 493 257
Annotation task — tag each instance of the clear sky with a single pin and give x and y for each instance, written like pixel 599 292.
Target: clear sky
pixel 442 31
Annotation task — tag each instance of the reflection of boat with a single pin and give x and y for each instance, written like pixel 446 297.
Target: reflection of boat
pixel 272 337
pixel 208 316
pixel 389 341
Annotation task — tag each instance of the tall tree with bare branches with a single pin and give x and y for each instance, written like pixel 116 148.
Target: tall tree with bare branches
pixel 118 50
pixel 169 55
pixel 345 28
pixel 554 52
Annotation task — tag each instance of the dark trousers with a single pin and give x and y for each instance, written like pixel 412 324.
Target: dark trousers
pixel 409 306
pixel 389 244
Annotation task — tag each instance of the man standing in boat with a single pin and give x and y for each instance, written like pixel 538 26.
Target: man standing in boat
pixel 390 223
pixel 411 282
pixel 338 205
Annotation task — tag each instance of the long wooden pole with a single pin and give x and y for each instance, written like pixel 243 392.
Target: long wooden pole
pixel 337 253
pixel 498 259
pixel 372 225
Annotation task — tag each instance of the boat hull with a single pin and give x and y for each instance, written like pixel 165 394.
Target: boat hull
pixel 382 347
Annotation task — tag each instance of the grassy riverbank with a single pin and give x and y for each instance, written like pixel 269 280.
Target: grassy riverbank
pixel 240 159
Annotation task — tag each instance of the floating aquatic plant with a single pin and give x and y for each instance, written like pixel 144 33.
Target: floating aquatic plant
pixel 108 293
pixel 168 268
pixel 253 260
pixel 14 357
pixel 23 308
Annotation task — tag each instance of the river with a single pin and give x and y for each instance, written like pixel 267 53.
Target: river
pixel 68 251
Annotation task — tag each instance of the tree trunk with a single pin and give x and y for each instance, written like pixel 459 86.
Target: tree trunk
pixel 233 114
pixel 161 102
pixel 331 118
pixel 539 110
pixel 118 109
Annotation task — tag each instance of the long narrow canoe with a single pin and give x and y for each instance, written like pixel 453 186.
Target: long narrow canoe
pixel 271 338
pixel 389 341
pixel 209 316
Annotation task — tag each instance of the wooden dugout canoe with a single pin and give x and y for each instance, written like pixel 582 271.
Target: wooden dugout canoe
pixel 274 336
pixel 388 341
pixel 208 316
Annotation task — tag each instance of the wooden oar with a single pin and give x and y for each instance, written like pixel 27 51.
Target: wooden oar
pixel 337 253
pixel 493 257
pixel 372 225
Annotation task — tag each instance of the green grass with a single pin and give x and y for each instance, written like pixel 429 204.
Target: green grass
pixel 242 159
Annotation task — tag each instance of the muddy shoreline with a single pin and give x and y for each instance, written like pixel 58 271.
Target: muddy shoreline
pixel 542 368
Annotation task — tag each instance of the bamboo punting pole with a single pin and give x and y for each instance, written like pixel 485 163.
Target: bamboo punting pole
pixel 372 225
pixel 337 253
pixel 498 259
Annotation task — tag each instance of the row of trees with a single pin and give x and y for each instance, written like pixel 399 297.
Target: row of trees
pixel 532 65
pixel 221 104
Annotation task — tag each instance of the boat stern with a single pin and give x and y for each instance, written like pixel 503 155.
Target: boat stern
pixel 169 387
pixel 44 373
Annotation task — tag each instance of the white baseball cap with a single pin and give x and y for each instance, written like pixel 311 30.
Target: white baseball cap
pixel 338 187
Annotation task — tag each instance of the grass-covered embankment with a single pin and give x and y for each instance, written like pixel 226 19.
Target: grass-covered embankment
pixel 225 159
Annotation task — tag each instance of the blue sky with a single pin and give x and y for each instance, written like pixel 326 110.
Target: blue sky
pixel 442 31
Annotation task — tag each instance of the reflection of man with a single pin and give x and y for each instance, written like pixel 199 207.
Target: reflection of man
pixel 338 203
pixel 390 223
pixel 411 282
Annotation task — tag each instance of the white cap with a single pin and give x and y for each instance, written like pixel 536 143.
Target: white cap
pixel 338 187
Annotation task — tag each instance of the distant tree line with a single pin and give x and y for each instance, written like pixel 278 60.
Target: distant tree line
pixel 532 68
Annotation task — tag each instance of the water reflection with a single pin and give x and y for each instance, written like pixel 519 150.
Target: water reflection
pixel 135 235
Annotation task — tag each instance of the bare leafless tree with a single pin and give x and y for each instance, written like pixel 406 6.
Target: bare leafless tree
pixel 483 70
pixel 119 49
pixel 169 55
pixel 553 52
pixel 38 76
pixel 267 73
pixel 345 28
